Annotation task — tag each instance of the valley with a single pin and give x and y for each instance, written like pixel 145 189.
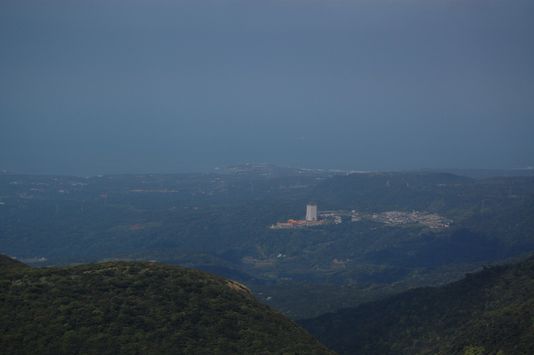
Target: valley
pixel 219 222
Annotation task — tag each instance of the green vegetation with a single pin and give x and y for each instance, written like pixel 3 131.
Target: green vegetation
pixel 7 264
pixel 488 312
pixel 137 308
pixel 219 223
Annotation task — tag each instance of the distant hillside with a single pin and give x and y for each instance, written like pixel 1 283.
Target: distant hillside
pixel 137 308
pixel 394 190
pixel 489 312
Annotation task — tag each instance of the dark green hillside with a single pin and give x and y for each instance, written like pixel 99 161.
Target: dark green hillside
pixel 137 308
pixel 489 312
pixel 7 264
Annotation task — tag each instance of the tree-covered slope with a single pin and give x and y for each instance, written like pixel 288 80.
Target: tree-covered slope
pixel 7 264
pixel 488 312
pixel 137 308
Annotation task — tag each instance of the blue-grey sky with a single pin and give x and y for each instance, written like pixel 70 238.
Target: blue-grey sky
pixel 108 86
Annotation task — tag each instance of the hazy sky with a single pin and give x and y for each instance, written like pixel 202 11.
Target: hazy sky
pixel 109 86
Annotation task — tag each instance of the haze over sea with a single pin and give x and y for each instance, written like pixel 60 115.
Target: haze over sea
pixel 173 86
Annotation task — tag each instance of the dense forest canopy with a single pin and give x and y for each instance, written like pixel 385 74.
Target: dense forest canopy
pixel 137 308
pixel 489 312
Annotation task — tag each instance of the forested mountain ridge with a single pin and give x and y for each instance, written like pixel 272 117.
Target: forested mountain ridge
pixel 137 308
pixel 488 312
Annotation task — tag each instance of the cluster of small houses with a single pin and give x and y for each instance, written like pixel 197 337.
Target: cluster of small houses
pixel 316 218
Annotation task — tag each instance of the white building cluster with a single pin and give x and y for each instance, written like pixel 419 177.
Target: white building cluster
pixel 392 218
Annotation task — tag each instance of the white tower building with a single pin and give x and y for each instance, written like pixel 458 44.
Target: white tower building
pixel 311 212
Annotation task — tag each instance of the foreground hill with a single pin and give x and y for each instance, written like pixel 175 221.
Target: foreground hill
pixel 6 263
pixel 489 312
pixel 137 308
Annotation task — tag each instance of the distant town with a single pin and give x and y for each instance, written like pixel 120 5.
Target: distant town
pixel 314 218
